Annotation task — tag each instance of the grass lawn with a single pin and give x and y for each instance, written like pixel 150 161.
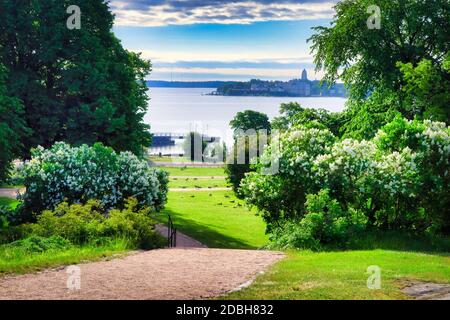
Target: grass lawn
pixel 188 182
pixel 213 219
pixel 17 260
pixel 216 219
pixel 342 275
pixel 7 202
pixel 200 172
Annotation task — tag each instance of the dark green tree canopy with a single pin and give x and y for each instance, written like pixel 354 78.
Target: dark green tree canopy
pixel 12 127
pixel 366 58
pixel 80 86
pixel 250 120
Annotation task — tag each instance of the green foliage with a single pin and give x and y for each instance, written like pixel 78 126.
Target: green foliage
pixel 12 127
pixel 250 120
pixel 410 31
pixel 78 174
pixel 427 88
pixel 325 223
pixel 251 128
pixel 293 114
pixel 37 244
pixel 400 67
pixel 82 224
pixel 79 86
pixel 383 178
pixel 363 118
pixel 282 196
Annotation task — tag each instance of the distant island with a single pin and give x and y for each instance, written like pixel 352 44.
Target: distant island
pixel 294 88
pixel 188 84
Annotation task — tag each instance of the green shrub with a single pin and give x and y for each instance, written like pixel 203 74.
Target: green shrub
pixel 37 244
pixel 325 223
pixel 81 224
pixel 78 174
pixel 399 180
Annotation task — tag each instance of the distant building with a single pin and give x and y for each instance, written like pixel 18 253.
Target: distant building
pixel 304 75
pixel 299 87
pixel 302 87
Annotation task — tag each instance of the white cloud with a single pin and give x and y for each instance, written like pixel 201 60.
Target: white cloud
pixel 163 13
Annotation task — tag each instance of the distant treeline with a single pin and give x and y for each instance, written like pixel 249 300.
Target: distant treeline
pixel 188 84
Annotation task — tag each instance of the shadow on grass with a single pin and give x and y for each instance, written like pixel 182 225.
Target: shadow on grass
pixel 200 232
pixel 396 241
pixel 400 241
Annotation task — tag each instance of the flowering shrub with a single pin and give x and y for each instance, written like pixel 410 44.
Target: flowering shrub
pixel 78 174
pixel 282 196
pixel 398 180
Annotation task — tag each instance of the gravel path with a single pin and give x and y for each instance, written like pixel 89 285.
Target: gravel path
pixel 10 193
pixel 166 274
pixel 183 241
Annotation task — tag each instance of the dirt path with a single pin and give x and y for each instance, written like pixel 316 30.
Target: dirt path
pixel 166 274
pixel 183 241
pixel 10 193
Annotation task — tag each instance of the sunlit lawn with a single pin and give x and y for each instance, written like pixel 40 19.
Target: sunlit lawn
pixel 189 171
pixel 207 182
pixel 216 219
pixel 7 202
pixel 342 275
pixel 17 260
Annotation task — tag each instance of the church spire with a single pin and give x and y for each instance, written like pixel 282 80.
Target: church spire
pixel 304 75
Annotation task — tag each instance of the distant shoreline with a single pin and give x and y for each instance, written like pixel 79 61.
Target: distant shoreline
pixel 215 85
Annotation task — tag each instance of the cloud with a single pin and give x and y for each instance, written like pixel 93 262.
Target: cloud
pixel 182 12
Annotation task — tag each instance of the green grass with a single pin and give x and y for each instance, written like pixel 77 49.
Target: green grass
pixel 168 159
pixel 18 260
pixel 7 202
pixel 215 219
pixel 190 182
pixel 189 171
pixel 342 275
pixel 8 186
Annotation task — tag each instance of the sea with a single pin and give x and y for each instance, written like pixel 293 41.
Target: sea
pixel 181 110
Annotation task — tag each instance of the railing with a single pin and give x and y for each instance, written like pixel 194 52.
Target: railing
pixel 171 234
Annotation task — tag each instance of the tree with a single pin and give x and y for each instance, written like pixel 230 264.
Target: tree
pixel 12 127
pixel 80 85
pixel 241 124
pixel 366 58
pixel 427 88
pixel 293 114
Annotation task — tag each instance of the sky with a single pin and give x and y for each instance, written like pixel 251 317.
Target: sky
pixel 202 40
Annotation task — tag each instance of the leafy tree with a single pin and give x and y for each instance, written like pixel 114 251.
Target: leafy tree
pixel 427 88
pixel 242 122
pixel 80 86
pixel 293 114
pixel 250 120
pixel 12 127
pixel 366 59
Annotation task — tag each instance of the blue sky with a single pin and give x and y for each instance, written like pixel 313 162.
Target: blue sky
pixel 193 40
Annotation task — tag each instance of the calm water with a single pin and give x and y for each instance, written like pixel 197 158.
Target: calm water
pixel 186 109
